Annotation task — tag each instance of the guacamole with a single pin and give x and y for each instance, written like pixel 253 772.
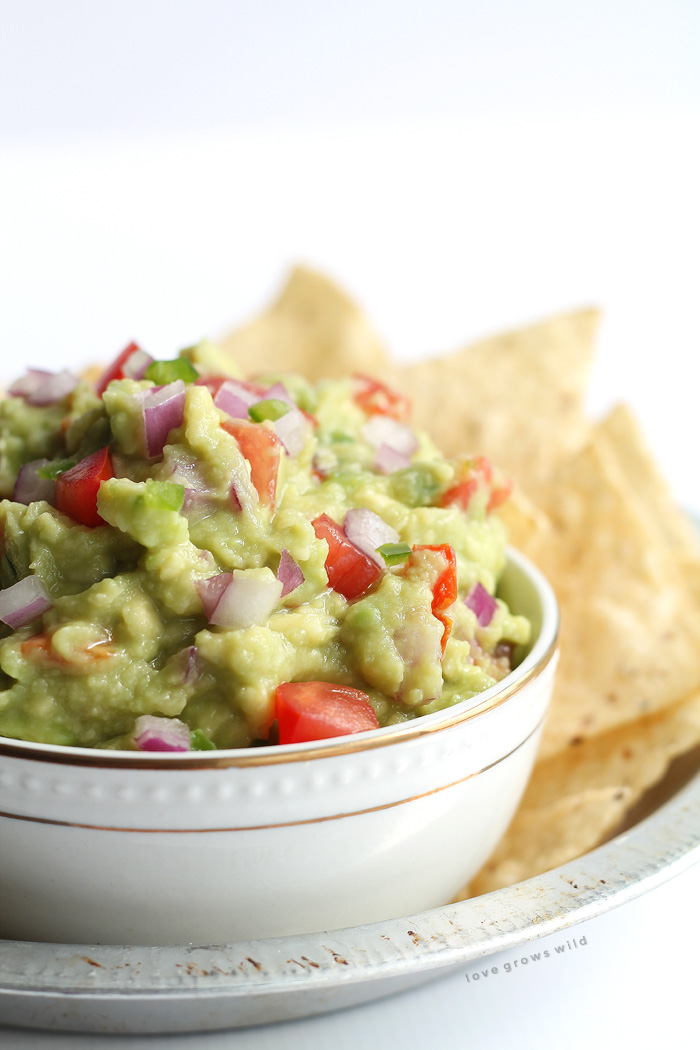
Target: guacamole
pixel 195 560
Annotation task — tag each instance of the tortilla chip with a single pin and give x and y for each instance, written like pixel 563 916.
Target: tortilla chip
pixel 528 528
pixel 630 619
pixel 671 524
pixel 542 839
pixel 591 509
pixel 313 328
pixel 517 397
pixel 577 797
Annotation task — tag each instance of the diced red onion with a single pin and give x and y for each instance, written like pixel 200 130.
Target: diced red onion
pixel 195 500
pixel 152 733
pixel 23 602
pixel 368 531
pixel 29 382
pixel 211 590
pixel 235 399
pixel 208 557
pixel 388 459
pixel 481 603
pixel 184 471
pixel 29 487
pixel 234 600
pixel 291 430
pixel 192 665
pixel 289 574
pixel 417 643
pixel 321 466
pixel 243 495
pixel 163 409
pixel 280 393
pixel 234 498
pixel 383 430
pixel 40 388
pixel 136 364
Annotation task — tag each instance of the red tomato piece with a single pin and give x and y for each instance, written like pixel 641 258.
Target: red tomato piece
pixel 478 471
pixel 116 369
pixel 499 495
pixel 350 571
pixel 38 648
pixel 77 488
pixel 460 494
pixel 318 710
pixel 378 399
pixel 444 586
pixel 261 447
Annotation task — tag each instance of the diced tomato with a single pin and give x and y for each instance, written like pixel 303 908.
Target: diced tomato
pixel 477 471
pixel 318 710
pixel 460 494
pixel 261 447
pixel 444 585
pixel 116 369
pixel 499 495
pixel 377 399
pixel 38 648
pixel 350 571
pixel 77 488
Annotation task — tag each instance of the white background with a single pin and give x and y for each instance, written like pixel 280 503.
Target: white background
pixel 459 168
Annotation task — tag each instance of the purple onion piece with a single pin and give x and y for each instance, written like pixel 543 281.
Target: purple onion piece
pixel 289 574
pixel 210 591
pixel 184 471
pixel 481 603
pixel 291 430
pixel 280 393
pixel 235 499
pixel 152 733
pixel 41 388
pixel 236 601
pixel 235 399
pixel 29 382
pixel 388 459
pixel 192 665
pixel 383 430
pixel 29 487
pixel 23 602
pixel 368 531
pixel 163 410
pixel 136 364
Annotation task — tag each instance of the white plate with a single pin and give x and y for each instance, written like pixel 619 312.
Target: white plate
pixel 93 988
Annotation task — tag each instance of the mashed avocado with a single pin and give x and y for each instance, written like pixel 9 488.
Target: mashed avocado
pixel 181 544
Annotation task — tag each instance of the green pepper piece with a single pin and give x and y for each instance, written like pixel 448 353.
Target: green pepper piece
pixel 164 495
pixel 394 553
pixel 163 372
pixel 199 741
pixel 271 408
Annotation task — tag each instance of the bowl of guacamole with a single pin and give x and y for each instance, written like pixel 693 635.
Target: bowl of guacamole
pixel 248 615
pixel 250 562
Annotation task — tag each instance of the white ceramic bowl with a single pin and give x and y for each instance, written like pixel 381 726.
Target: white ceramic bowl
pixel 209 847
